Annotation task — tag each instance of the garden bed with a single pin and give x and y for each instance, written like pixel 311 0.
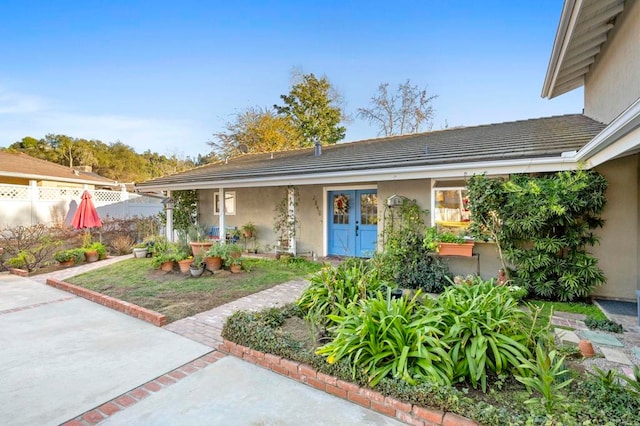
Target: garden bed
pixel 179 296
pixel 280 334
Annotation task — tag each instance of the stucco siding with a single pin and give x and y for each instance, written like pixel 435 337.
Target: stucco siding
pixel 618 248
pixel 613 83
pixel 258 205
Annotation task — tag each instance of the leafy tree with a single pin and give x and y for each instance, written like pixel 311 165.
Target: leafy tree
pixel 313 106
pixel 543 226
pixel 116 161
pixel 405 111
pixel 259 130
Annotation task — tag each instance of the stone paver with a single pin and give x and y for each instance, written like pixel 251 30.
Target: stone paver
pixel 615 355
pixel 601 338
pixel 567 335
pixel 206 327
pixel 636 351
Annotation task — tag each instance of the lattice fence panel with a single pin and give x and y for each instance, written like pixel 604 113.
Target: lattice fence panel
pixel 102 196
pixel 14 192
pixel 57 194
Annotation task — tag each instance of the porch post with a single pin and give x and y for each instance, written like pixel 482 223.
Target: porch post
pixel 291 217
pixel 169 228
pixel 221 219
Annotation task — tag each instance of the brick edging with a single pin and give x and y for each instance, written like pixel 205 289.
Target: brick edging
pixel 19 272
pixel 127 399
pixel 388 406
pixel 131 309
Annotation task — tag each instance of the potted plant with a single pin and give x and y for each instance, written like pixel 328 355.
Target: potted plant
pixel 140 250
pixel 249 230
pixel 447 243
pixel 95 251
pixel 69 257
pixel 197 240
pixel 234 251
pixel 235 265
pixel 196 268
pixel 215 256
pixel 164 255
pixel 184 261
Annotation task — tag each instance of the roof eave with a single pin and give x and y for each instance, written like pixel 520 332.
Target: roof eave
pixel 32 176
pixel 597 150
pixel 583 29
pixel 528 165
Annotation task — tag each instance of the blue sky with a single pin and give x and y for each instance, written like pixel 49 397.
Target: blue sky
pixel 166 75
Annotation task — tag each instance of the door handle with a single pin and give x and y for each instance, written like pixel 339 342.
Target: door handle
pixel 357 229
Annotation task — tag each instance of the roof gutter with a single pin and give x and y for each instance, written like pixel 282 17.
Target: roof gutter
pixel 566 27
pixel 622 125
pixel 388 174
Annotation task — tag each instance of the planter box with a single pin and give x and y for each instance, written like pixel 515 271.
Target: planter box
pixel 452 249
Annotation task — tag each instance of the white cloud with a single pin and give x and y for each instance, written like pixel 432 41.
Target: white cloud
pixel 17 103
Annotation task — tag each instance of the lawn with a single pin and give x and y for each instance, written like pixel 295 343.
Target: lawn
pixel 179 296
pixel 588 309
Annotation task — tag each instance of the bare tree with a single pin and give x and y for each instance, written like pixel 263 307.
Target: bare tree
pixel 405 111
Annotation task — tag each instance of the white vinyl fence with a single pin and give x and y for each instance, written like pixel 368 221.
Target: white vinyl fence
pixel 30 205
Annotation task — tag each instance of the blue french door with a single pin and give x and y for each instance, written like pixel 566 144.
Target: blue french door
pixel 353 222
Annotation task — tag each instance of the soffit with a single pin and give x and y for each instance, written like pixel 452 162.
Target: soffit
pixel 582 31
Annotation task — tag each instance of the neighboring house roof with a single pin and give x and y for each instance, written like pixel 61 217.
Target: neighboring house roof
pixel 583 29
pixel 23 166
pixel 518 143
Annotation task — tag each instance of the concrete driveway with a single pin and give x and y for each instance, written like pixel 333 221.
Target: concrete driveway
pixel 61 355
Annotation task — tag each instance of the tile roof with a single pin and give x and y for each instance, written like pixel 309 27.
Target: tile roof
pixel 17 163
pixel 535 138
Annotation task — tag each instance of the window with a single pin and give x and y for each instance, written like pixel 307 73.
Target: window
pixel 229 203
pixel 450 205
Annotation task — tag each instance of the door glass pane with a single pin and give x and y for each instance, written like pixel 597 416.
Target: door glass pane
pixel 369 209
pixel 341 205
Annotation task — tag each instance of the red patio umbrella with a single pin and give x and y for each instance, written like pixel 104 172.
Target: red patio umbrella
pixel 86 216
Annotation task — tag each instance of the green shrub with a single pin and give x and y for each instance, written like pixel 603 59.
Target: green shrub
pixel 486 330
pixel 353 280
pixel 30 247
pixel 546 378
pixel 428 273
pixel 603 324
pixel 543 225
pixel 391 337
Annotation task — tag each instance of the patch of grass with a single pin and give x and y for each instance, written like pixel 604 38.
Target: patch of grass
pixel 179 296
pixel 588 309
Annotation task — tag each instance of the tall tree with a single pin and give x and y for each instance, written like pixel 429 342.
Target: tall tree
pixel 256 130
pixel 407 110
pixel 314 107
pixel 115 161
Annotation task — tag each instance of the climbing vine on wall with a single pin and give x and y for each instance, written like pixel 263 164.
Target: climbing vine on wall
pixel 543 225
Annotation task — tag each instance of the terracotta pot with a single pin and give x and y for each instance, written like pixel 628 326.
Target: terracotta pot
pixel 167 266
pixel 235 268
pixel 91 255
pixel 69 262
pixel 184 265
pixel 586 348
pixel 213 263
pixel 199 248
pixel 453 249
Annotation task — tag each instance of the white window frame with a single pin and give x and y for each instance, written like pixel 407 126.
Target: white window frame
pixel 229 206
pixel 442 186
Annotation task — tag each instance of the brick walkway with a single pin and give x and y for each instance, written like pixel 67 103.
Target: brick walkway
pixel 63 274
pixel 206 327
